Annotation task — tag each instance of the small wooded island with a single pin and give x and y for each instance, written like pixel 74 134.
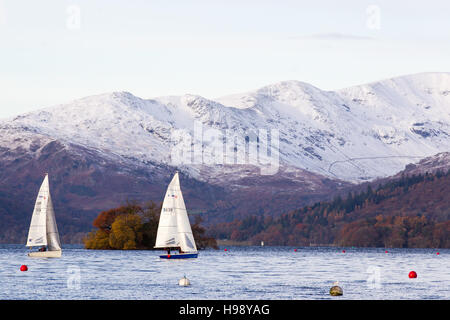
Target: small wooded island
pixel 134 227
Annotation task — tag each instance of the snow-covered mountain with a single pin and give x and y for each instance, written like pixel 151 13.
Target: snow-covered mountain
pixel 358 133
pixel 437 163
pixel 354 134
pixel 103 150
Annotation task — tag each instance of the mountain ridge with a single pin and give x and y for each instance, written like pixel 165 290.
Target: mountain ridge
pixel 109 148
pixel 317 128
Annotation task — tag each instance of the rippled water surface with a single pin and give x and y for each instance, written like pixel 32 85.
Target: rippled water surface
pixel 239 273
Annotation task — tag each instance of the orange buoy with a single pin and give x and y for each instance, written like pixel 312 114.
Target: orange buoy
pixel 412 274
pixel 23 268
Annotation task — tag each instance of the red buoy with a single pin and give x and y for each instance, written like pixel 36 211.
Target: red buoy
pixel 23 268
pixel 412 274
pixel 225 249
pixel 343 251
pixel 437 253
pixel 295 250
pixel 386 251
pixel 168 256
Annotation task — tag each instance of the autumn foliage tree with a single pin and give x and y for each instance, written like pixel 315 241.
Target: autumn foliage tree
pixel 126 232
pixel 121 228
pixel 201 239
pixel 132 226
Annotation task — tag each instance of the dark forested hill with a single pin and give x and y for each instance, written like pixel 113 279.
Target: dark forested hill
pixel 410 211
pixel 84 183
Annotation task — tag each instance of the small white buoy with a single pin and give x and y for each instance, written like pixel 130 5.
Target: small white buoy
pixel 336 290
pixel 184 282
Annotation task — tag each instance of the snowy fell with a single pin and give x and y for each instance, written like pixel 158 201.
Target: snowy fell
pixel 353 134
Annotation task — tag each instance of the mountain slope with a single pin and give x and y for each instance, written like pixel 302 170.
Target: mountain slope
pixel 102 150
pixel 353 134
pixel 411 211
pixel 357 133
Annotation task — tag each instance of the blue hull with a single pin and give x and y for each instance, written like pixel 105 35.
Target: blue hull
pixel 179 256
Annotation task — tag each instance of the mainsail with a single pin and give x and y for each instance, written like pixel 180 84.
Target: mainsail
pixel 43 230
pixel 174 229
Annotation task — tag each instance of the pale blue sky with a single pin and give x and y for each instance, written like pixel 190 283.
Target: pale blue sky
pixel 211 48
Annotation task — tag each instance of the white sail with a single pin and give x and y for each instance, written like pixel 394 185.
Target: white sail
pixel 53 242
pixel 37 234
pixel 43 230
pixel 174 229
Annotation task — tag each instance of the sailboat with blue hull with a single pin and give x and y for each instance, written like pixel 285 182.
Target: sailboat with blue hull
pixel 179 256
pixel 174 230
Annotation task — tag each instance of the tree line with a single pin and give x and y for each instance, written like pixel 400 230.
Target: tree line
pixel 412 211
pixel 133 226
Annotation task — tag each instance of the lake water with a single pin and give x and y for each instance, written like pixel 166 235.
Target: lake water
pixel 245 273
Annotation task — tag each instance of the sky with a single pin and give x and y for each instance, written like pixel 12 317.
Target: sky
pixel 55 51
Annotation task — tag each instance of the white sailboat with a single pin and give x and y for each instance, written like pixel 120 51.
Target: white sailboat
pixel 174 229
pixel 43 231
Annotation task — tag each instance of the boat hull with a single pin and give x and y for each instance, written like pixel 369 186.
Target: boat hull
pixel 179 256
pixel 45 254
